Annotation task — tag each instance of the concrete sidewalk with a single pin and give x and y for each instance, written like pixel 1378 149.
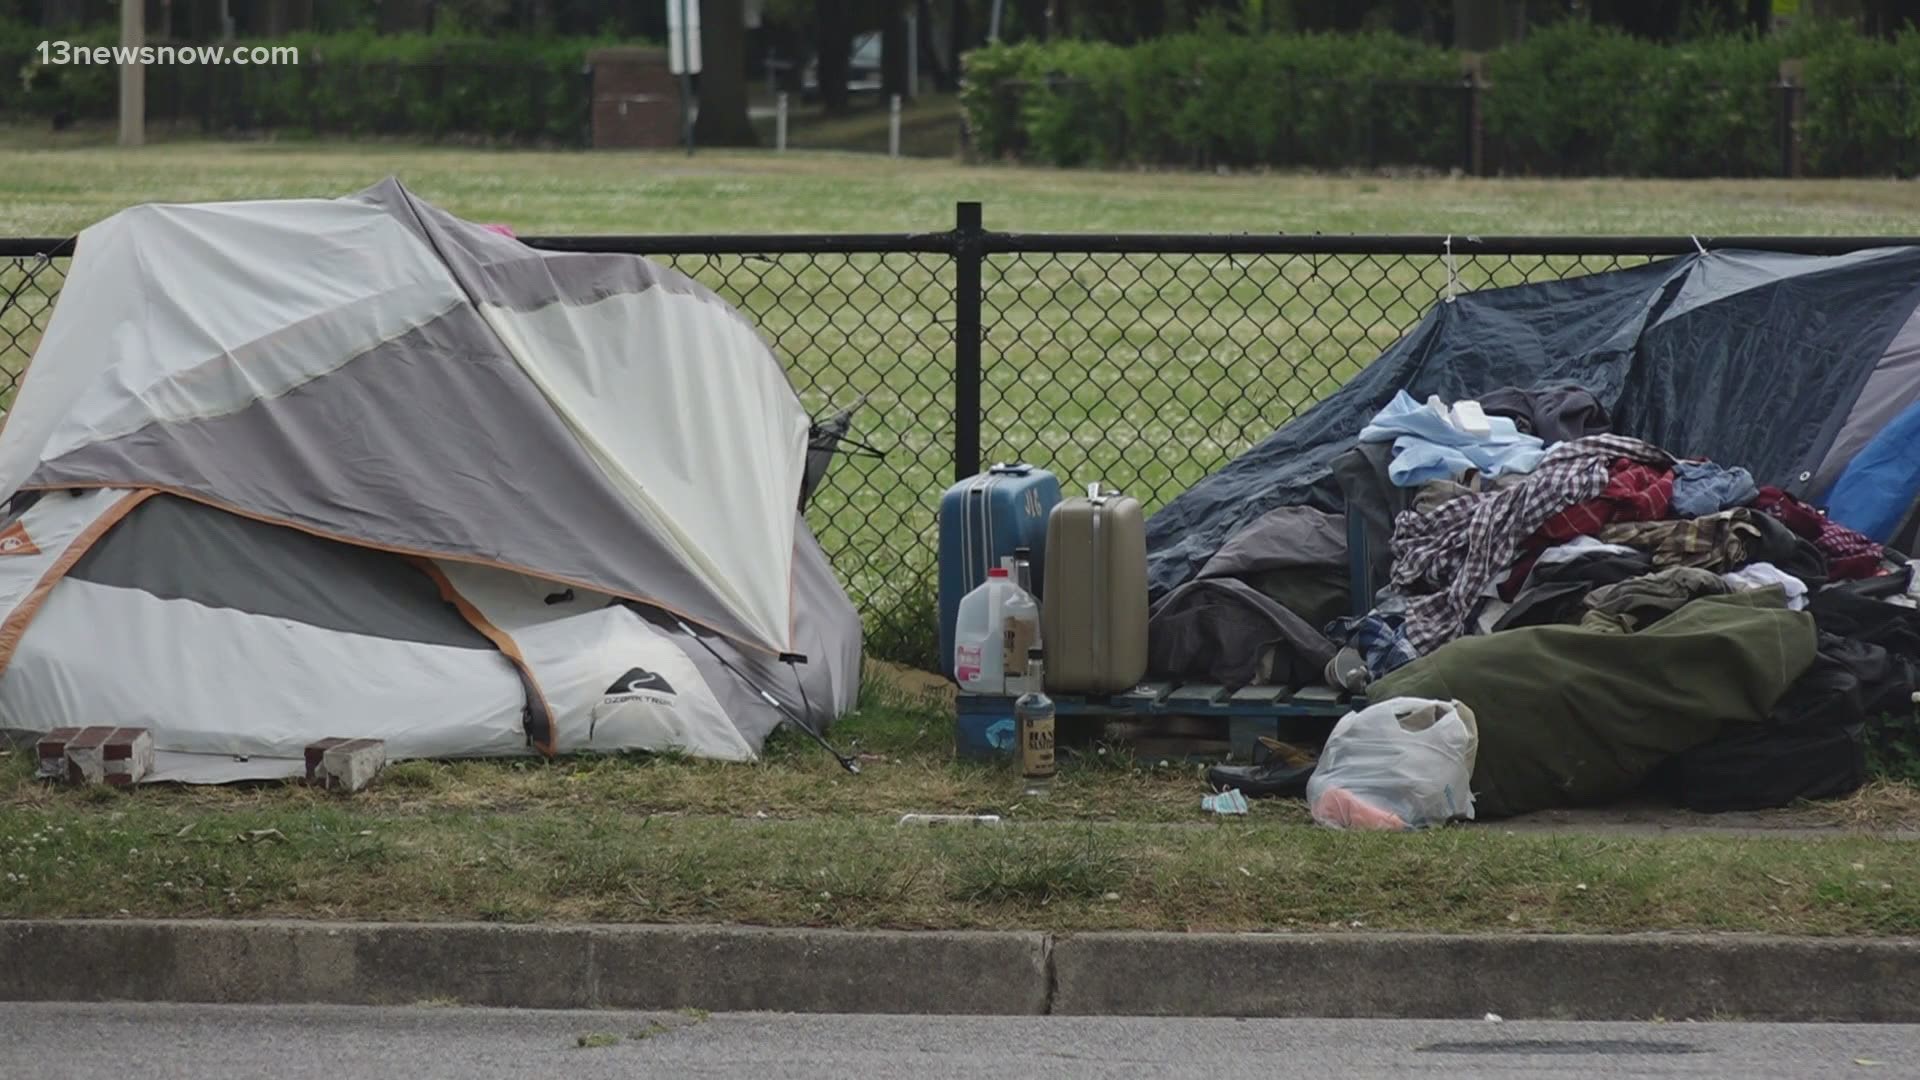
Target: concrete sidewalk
pixel 1568 977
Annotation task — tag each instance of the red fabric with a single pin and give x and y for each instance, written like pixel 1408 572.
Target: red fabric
pixel 1522 570
pixel 1635 492
pixel 1804 520
pixel 1853 568
pixel 1850 556
pixel 1840 542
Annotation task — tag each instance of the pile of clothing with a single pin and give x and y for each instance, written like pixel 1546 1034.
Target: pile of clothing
pixel 1616 616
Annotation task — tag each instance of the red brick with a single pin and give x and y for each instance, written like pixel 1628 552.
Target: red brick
pixel 97 752
pixel 51 751
pixel 90 737
pixel 318 750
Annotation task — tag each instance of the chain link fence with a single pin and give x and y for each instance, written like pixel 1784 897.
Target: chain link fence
pixel 1144 362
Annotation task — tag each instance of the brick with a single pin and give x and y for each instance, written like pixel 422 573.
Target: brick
pixel 315 752
pixel 51 752
pixel 99 755
pixel 347 765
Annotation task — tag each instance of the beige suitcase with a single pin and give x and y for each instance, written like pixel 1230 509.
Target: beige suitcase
pixel 1093 615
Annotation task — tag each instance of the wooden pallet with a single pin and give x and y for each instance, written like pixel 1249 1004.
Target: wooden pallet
pixel 1249 712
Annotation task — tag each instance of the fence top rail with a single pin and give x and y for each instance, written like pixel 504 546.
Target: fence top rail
pixel 1383 244
pixel 992 243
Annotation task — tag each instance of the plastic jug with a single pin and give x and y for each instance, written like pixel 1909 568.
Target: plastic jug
pixel 993 619
pixel 1020 633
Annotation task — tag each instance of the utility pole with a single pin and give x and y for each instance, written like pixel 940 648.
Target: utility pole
pixel 683 56
pixel 133 75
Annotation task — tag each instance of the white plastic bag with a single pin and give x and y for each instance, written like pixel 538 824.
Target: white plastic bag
pixel 1404 763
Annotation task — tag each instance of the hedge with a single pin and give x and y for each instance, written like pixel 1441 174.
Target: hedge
pixel 356 83
pixel 1320 100
pixel 1570 99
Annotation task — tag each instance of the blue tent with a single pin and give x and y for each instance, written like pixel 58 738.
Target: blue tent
pixel 1804 369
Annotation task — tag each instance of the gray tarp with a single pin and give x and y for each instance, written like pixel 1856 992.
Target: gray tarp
pixel 1746 358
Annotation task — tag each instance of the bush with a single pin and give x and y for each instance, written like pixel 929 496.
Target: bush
pixel 354 83
pixel 1572 98
pixel 1861 118
pixel 1214 97
pixel 29 88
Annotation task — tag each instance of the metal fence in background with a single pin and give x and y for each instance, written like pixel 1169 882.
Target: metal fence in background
pixel 1141 361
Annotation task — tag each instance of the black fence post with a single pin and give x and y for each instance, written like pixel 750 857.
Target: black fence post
pixel 968 253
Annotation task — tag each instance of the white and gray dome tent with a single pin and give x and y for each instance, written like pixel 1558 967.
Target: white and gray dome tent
pixel 289 470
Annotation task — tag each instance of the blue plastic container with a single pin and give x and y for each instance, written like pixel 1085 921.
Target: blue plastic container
pixel 983 519
pixel 984 728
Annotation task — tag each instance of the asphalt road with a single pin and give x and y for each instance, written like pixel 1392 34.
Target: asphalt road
pixel 292 1043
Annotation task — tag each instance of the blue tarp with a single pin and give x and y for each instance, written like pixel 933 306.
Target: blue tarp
pixel 1746 358
pixel 1873 494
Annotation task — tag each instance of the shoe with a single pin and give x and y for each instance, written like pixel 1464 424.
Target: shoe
pixel 1274 780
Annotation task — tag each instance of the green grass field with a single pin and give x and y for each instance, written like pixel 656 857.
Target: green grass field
pixel 1146 372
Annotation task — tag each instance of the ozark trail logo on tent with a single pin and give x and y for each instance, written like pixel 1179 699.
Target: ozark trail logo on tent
pixel 636 685
pixel 15 541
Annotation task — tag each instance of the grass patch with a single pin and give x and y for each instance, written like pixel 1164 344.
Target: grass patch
pixel 613 866
pixel 793 841
pixel 1037 870
pixel 594 1040
pixel 41 193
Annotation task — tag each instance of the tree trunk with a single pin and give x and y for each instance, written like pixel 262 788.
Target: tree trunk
pixel 939 63
pixel 893 54
pixel 1889 17
pixel 60 14
pixel 959 35
pixel 723 77
pixel 835 48
pixel 1149 20
pixel 280 17
pixel 1033 19
pixel 406 16
pixel 1478 25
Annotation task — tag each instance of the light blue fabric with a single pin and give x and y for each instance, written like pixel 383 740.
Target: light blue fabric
pixel 1426 447
pixel 1880 483
pixel 1701 488
pixel 1001 735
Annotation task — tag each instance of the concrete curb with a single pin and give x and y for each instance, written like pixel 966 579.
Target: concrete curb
pixel 1016 973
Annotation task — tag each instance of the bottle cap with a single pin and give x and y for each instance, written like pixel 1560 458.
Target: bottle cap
pixel 998 571
pixel 1036 653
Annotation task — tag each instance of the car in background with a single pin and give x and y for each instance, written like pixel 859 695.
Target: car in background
pixel 863 69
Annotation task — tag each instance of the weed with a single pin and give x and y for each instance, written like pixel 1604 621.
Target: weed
pixel 1893 748
pixel 415 776
pixel 1033 869
pixel 594 1040
pixel 905 629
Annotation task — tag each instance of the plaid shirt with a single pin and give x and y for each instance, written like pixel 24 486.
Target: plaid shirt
pixel 1849 554
pixel 1634 492
pixel 1465 545
pixel 1720 541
